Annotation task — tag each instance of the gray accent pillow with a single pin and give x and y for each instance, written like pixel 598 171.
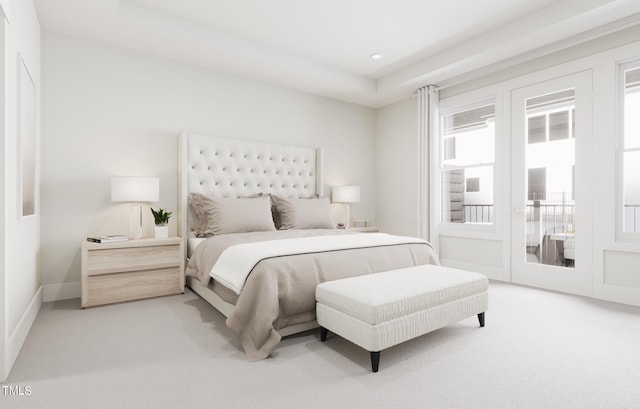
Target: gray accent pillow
pixel 303 213
pixel 222 215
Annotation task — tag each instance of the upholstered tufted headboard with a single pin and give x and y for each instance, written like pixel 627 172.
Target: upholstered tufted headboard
pixel 234 168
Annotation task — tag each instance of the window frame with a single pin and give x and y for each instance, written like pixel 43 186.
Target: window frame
pixel 621 67
pixel 461 103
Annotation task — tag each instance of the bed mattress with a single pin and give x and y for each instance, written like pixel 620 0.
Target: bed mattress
pixel 280 291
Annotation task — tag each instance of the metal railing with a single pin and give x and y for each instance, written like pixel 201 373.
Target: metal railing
pixel 549 227
pixel 553 213
pixel 554 208
pixel 635 210
pixel 478 213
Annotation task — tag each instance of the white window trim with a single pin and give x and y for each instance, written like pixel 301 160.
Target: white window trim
pixel 605 66
pixel 470 230
pixel 621 235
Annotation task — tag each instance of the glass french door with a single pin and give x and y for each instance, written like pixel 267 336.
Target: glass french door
pixel 551 165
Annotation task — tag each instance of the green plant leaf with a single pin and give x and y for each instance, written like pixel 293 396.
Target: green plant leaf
pixel 160 216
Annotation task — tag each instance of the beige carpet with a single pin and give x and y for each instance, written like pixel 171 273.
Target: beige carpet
pixel 539 350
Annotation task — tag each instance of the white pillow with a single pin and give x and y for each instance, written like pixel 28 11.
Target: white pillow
pixel 222 215
pixel 303 213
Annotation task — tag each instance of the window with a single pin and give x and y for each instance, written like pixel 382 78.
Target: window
pixel 537 183
pixel 559 125
pixel 467 163
pixel 551 117
pixel 631 148
pixel 550 161
pixel 537 129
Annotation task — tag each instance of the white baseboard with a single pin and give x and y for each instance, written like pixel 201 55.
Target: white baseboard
pixel 19 335
pixel 61 291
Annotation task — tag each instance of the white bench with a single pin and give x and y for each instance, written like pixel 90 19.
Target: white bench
pixel 377 311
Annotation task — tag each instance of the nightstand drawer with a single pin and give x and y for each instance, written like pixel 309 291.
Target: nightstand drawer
pixel 119 260
pixel 117 287
pixel 130 270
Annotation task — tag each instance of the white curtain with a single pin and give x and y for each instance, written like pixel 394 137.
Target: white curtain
pixel 427 154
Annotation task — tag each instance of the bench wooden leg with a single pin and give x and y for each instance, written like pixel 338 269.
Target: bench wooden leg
pixel 323 334
pixel 375 360
pixel 481 319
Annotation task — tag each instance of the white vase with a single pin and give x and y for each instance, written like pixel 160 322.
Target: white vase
pixel 162 232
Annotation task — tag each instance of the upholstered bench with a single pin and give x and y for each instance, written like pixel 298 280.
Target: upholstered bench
pixel 377 311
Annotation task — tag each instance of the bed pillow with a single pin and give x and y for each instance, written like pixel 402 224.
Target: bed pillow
pixel 222 215
pixel 303 213
pixel 276 213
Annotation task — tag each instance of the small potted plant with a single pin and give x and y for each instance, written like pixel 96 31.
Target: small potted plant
pixel 161 218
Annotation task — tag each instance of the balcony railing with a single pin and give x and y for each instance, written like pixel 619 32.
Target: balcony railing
pixel 555 208
pixel 631 218
pixel 555 215
pixel 478 213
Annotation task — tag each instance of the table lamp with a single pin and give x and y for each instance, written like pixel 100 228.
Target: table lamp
pixel 346 195
pixel 136 190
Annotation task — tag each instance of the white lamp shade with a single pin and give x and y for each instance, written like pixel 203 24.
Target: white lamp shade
pixel 345 194
pixel 135 189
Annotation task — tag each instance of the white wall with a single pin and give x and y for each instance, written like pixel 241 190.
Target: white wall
pixel 397 168
pixel 109 111
pixel 20 273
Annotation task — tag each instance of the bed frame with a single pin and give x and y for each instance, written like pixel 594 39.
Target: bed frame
pixel 235 168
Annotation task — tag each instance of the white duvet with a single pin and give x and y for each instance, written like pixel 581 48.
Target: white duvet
pixel 236 262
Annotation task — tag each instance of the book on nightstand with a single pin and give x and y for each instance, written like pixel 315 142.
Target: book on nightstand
pixel 108 239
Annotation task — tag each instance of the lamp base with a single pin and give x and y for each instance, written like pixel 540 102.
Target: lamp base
pixel 136 221
pixel 347 221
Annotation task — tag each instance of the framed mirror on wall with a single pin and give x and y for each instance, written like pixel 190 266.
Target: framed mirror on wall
pixel 26 132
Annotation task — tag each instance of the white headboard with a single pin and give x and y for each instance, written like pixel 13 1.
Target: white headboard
pixel 227 167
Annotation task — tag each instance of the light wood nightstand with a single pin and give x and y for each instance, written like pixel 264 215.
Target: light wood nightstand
pixel 370 229
pixel 131 270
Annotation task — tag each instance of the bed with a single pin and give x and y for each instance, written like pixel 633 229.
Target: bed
pixel 225 185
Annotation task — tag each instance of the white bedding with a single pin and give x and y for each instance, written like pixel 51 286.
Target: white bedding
pixel 236 262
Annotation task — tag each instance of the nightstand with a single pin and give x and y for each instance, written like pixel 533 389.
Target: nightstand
pixel 131 270
pixel 371 229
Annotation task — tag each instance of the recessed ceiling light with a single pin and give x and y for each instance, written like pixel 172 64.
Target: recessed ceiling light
pixel 375 56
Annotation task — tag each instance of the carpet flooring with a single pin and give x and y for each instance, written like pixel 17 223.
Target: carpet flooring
pixel 539 349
